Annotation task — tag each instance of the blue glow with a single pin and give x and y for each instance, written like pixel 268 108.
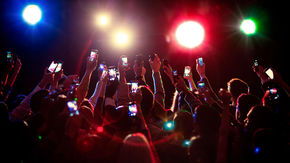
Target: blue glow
pixel 32 14
pixel 257 150
pixel 169 126
pixel 186 143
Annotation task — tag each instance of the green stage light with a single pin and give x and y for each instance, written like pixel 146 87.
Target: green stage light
pixel 248 26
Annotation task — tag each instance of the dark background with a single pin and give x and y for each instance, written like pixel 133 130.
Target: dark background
pixel 67 28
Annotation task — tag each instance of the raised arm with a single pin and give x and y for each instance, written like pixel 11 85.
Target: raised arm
pixel 211 95
pixel 123 89
pixel 23 108
pixel 159 93
pixel 189 78
pixel 84 84
pixel 100 86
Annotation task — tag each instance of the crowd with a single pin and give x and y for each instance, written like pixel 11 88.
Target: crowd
pixel 127 121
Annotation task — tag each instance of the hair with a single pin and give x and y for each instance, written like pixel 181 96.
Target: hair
pixel 237 86
pixel 136 148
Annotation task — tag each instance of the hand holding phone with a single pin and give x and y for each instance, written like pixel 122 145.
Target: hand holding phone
pixel 200 67
pixel 187 71
pixel 73 108
pixel 200 61
pixel 55 67
pixel 201 86
pixel 52 67
pixel 270 73
pixel 93 54
pixel 134 87
pixel 124 61
pixel 112 74
pixel 132 108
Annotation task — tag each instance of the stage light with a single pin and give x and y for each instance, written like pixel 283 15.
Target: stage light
pixel 190 34
pixel 103 20
pixel 32 14
pixel 122 38
pixel 248 26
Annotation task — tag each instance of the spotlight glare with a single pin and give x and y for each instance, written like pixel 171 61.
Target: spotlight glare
pixel 103 20
pixel 32 14
pixel 122 38
pixel 190 34
pixel 248 26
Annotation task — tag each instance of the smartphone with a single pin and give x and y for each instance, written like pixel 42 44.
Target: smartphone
pixel 187 70
pixel 134 87
pixel 112 74
pixel 9 55
pixel 93 55
pixel 52 66
pixel 132 110
pixel 200 61
pixel 175 73
pixel 273 90
pixel 58 67
pixel 256 64
pixel 201 85
pixel 73 108
pixel 125 61
pixel 270 73
pixel 102 66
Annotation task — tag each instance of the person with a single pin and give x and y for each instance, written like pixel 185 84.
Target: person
pixel 204 145
pixel 236 87
pixel 244 103
pixel 136 148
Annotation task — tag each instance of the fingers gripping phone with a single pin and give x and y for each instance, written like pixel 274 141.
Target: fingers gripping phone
pixel 187 70
pixel 55 67
pixel 124 61
pixel 73 108
pixel 93 54
pixel 112 74
pixel 102 66
pixel 201 86
pixel 200 61
pixel 134 87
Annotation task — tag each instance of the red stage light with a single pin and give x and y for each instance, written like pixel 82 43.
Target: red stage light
pixel 190 34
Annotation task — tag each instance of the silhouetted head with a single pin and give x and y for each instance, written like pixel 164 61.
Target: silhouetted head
pixel 136 148
pixel 236 87
pixel 37 99
pixel 259 117
pixel 244 103
pixel 183 122
pixel 207 119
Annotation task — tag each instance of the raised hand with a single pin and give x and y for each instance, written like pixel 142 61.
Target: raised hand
pixel 47 78
pixel 200 69
pixel 92 64
pixel 261 73
pixel 155 64
pixel 168 71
